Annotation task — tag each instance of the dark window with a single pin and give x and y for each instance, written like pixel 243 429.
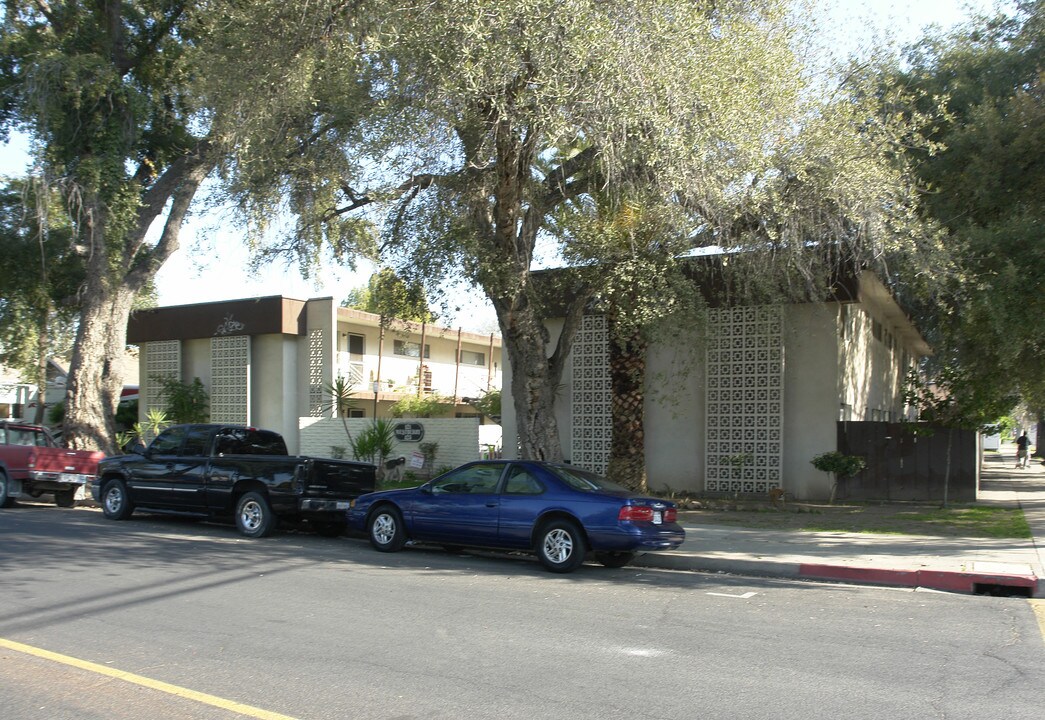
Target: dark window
pixel 355 344
pixel 585 481
pixel 168 442
pixel 476 479
pixel 197 442
pixel 244 441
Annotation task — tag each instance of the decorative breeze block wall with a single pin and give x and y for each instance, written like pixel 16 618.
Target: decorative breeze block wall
pixel 745 394
pixel 230 379
pixel 591 399
pixel 162 360
pixel 315 373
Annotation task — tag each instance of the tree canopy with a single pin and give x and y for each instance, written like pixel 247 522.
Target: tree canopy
pixel 985 186
pixel 391 298
pixel 104 89
pixel 455 133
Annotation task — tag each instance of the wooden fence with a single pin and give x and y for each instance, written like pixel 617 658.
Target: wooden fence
pixel 908 461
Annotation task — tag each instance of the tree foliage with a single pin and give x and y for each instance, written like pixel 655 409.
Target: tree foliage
pixel 40 274
pixel 104 89
pixel 391 298
pixel 985 188
pixel 480 140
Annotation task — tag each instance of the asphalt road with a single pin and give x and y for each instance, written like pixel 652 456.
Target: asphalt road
pixel 308 627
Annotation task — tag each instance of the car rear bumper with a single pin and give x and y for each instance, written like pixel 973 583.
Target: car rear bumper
pixel 636 537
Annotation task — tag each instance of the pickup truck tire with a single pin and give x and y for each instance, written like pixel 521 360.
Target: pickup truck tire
pixel 385 529
pixel 6 500
pixel 116 504
pixel 65 498
pixel 254 516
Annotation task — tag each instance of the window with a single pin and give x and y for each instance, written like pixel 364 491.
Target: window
pixel 521 482
pixel 244 441
pixel 474 479
pixel 197 442
pixel 168 442
pixel 356 345
pixel 410 349
pixel 470 357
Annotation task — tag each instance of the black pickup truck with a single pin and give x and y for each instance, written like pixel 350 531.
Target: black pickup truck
pixel 230 471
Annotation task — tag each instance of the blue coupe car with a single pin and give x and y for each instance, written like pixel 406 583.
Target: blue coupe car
pixel 559 512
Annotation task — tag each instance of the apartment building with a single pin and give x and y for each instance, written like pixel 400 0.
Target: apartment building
pixel 269 361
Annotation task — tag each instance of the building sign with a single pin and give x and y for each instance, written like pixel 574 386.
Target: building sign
pixel 409 432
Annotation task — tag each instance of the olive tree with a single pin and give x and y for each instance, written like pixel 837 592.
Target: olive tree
pixel 447 136
pixel 103 89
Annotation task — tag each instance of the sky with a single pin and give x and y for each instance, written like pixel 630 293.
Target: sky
pixel 212 263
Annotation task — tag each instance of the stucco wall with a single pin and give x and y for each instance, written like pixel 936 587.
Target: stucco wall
pixel 274 387
pixel 811 387
pixel 873 370
pixel 458 438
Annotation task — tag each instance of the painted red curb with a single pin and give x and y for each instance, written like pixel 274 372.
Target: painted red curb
pixel 955 581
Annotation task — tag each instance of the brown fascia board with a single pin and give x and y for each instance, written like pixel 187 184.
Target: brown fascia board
pixel 252 316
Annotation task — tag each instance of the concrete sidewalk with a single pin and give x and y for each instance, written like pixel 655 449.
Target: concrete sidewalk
pixel 953 564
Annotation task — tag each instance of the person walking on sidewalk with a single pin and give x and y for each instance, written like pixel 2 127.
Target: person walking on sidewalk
pixel 1022 450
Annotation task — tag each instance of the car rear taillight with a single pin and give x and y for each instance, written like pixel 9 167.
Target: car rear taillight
pixel 636 513
pixel 671 515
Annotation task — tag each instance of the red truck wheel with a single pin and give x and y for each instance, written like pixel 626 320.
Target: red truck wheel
pixel 5 496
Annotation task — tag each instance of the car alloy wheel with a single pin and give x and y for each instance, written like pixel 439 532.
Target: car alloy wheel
pixel 561 546
pixel 386 529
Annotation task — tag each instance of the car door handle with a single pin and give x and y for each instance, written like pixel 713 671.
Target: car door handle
pixel 491 504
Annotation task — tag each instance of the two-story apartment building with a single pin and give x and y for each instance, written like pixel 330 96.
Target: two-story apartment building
pixel 269 361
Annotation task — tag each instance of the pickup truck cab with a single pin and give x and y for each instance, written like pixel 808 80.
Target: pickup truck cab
pixel 213 470
pixel 31 464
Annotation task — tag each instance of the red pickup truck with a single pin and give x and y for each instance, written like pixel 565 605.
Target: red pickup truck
pixel 31 464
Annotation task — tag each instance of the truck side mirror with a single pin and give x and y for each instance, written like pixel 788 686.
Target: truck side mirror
pixel 135 447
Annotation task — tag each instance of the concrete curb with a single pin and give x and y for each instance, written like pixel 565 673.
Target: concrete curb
pixel 960 581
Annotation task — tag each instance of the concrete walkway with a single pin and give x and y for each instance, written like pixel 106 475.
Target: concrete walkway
pixel 954 564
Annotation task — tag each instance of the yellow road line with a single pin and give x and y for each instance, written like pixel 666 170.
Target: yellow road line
pixel 1039 609
pixel 213 700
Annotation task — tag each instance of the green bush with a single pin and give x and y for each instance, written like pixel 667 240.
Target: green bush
pixel 423 406
pixel 840 465
pixel 375 443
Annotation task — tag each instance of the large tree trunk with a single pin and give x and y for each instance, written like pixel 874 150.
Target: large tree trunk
pixel 628 383
pixel 117 270
pixel 95 383
pixel 533 387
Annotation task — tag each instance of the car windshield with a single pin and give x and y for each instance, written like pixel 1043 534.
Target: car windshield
pixel 586 481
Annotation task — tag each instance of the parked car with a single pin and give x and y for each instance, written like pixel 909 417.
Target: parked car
pixel 212 470
pixel 32 464
pixel 557 511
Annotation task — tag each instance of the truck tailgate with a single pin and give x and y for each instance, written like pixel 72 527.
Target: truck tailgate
pixel 338 478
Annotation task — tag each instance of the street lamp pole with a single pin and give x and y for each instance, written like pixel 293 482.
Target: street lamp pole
pixel 377 389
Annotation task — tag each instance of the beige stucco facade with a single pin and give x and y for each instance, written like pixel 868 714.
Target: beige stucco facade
pixel 764 386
